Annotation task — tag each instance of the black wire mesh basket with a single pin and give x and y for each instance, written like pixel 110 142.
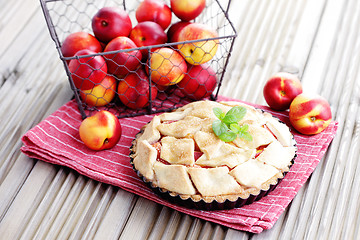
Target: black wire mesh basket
pixel 136 80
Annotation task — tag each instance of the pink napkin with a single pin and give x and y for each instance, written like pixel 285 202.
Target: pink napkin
pixel 56 140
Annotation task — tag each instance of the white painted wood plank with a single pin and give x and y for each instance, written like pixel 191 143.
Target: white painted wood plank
pixel 44 224
pixel 269 61
pixel 99 213
pixel 12 24
pixel 66 210
pixel 12 183
pixel 26 200
pixel 160 224
pixel 143 214
pixel 339 223
pixel 233 234
pixel 44 205
pixel 350 224
pixel 116 217
pixel 345 165
pixel 219 232
pixel 184 227
pixel 327 174
pixel 194 230
pixel 323 48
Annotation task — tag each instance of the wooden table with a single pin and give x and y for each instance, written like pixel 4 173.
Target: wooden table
pixel 318 40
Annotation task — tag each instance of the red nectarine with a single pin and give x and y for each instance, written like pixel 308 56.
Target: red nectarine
pixel 87 71
pixel 187 10
pixel 199 82
pixel 111 22
pixel 310 114
pixel 100 131
pixel 121 62
pixel 155 11
pixel 198 52
pixel 174 30
pixel 102 93
pixel 147 34
pixel 166 67
pixel 280 89
pixel 134 91
pixel 78 41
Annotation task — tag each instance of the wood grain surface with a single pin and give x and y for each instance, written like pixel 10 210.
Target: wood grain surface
pixel 318 40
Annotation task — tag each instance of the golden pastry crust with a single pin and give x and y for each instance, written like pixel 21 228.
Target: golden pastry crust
pixel 193 163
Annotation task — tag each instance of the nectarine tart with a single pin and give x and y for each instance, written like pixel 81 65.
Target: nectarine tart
pixel 213 155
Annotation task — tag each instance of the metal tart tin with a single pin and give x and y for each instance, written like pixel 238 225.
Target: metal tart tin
pixel 202 205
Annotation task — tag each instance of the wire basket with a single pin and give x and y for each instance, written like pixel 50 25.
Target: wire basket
pixel 144 89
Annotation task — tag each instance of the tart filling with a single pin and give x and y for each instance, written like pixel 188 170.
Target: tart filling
pixel 179 153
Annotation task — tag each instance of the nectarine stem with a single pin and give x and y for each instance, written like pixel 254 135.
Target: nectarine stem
pixel 313 119
pixel 104 23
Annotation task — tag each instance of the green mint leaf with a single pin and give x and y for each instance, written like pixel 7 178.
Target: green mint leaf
pixel 226 127
pixel 234 115
pixel 219 127
pixel 235 128
pixel 244 128
pixel 219 113
pixel 246 136
pixel 228 136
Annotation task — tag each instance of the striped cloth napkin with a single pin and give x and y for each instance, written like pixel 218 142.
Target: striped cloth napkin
pixel 56 140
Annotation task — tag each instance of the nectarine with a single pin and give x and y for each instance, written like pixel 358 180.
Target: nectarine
pixel 198 52
pixel 102 93
pixel 155 11
pixel 174 30
pixel 310 114
pixel 121 62
pixel 187 10
pixel 147 34
pixel 199 82
pixel 100 131
pixel 111 22
pixel 280 89
pixel 77 41
pixel 87 71
pixel 166 67
pixel 134 90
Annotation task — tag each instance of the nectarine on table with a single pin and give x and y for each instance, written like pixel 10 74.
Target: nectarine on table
pixel 280 89
pixel 100 131
pixel 310 114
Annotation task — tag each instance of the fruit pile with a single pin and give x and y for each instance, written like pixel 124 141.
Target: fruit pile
pixel 129 63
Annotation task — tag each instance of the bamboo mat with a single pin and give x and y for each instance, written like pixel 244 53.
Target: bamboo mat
pixel 318 40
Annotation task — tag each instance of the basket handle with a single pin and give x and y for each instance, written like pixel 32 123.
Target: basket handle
pixel 227 8
pixel 224 7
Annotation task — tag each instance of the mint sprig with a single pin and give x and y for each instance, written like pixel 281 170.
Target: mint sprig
pixel 227 128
